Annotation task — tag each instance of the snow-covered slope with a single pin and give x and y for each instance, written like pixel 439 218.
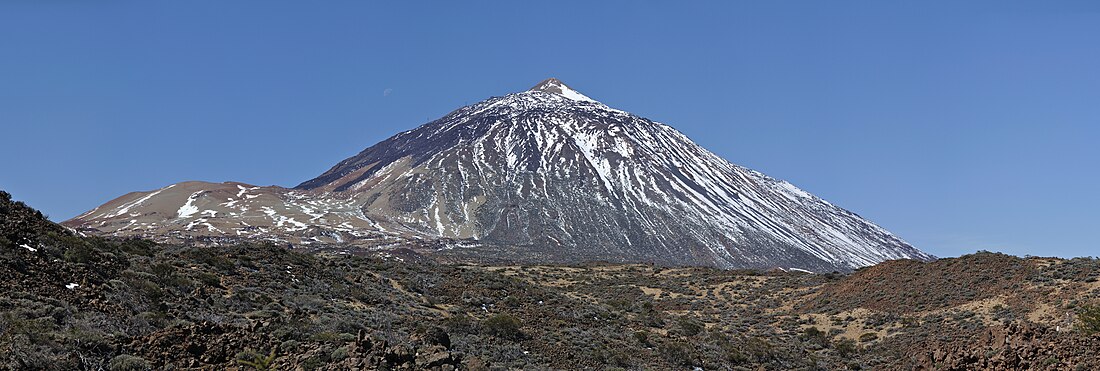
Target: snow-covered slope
pixel 214 213
pixel 545 175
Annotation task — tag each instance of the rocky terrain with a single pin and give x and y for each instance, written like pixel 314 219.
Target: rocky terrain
pixel 73 302
pixel 546 175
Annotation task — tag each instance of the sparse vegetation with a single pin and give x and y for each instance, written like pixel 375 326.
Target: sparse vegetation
pixel 1088 318
pixel 256 361
pixel 125 362
pixel 845 347
pixel 132 305
pixel 868 337
pixel 504 326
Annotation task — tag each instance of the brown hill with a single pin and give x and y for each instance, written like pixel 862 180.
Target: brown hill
pixel 902 286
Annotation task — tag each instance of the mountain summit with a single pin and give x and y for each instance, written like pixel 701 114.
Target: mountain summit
pixel 555 86
pixel 543 175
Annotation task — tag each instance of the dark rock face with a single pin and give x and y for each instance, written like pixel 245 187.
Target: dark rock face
pixel 1018 346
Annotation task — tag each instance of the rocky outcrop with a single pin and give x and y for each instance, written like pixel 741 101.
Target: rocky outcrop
pixel 1017 346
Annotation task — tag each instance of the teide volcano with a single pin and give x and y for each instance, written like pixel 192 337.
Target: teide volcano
pixel 544 175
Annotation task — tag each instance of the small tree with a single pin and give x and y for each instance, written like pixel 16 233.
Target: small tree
pixel 1088 318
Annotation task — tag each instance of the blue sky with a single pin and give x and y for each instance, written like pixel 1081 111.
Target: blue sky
pixel 957 126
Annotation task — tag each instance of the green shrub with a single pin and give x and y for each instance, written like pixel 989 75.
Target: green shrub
pixel 209 279
pixel 845 347
pixel 78 254
pixel 688 327
pixel 869 336
pixel 814 335
pixel 503 326
pixel 137 246
pixel 339 354
pixel 678 353
pixel 126 362
pixel 289 346
pixel 325 337
pixel 1088 318
pixel 255 360
pixel 149 289
pixel 212 258
pixel 162 270
pixel 650 316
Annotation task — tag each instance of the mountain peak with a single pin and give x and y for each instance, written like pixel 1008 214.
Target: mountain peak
pixel 555 86
pixel 540 176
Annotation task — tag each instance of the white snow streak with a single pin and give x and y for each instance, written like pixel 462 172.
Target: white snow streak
pixel 187 210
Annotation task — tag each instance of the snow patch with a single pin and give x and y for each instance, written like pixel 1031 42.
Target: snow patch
pixel 574 95
pixel 126 207
pixel 187 210
pixel 792 190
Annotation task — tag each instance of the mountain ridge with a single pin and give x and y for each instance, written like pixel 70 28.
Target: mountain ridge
pixel 546 174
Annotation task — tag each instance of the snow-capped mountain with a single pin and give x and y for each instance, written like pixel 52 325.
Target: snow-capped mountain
pixel 544 175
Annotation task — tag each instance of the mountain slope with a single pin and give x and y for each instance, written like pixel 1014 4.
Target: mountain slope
pixel 546 174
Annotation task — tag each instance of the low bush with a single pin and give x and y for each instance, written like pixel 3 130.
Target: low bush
pixel 1088 318
pixel 503 326
pixel 256 361
pixel 867 337
pixel 688 327
pixel 845 347
pixel 678 353
pixel 126 362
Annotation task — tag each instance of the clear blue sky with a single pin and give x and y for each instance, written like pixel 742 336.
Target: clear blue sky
pixel 957 126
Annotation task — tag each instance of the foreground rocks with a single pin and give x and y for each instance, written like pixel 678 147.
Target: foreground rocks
pixel 73 302
pixel 1018 346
